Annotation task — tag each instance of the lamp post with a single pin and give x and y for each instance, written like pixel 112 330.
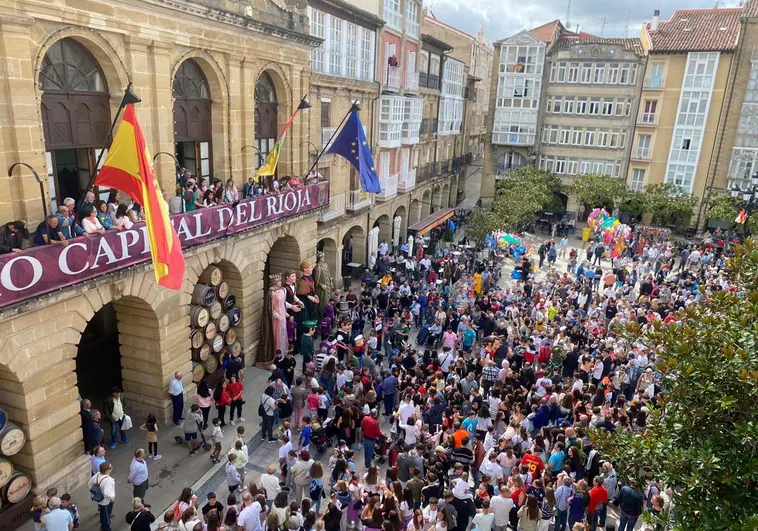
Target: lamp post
pixel 176 163
pixel 747 198
pixel 310 155
pixel 39 181
pixel 260 155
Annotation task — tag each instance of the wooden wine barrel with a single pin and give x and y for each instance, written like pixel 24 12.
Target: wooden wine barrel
pixel 202 353
pixel 6 471
pixel 196 339
pixel 222 323
pixel 229 302
pixel 203 295
pixel 12 439
pixel 222 290
pixel 210 331
pixel 230 336
pixel 224 355
pixel 215 310
pixel 211 276
pixel 236 349
pixel 235 316
pixel 198 372
pixel 3 419
pixel 199 316
pixel 17 488
pixel 217 344
pixel 211 364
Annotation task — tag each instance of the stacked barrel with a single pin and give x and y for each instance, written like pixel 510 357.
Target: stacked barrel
pixel 214 317
pixel 15 486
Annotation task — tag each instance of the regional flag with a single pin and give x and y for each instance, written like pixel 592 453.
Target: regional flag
pixel 128 168
pixel 741 217
pixel 272 159
pixel 351 143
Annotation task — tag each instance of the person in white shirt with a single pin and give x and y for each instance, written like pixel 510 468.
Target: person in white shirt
pixel 249 518
pixel 270 483
pixel 107 487
pixel 484 520
pixel 406 409
pixel 501 505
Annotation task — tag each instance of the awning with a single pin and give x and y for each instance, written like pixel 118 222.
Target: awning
pixel 430 222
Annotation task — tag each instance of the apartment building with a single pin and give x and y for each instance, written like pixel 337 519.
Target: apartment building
pixel 590 103
pixel 685 83
pixel 480 72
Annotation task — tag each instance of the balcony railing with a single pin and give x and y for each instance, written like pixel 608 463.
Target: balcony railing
pixel 392 77
pixel 358 200
pixel 407 181
pixel 654 82
pixel 648 118
pixel 336 209
pixel 393 19
pixel 411 80
pixel 423 79
pixel 326 134
pixel 642 153
pixel 410 135
pixel 48 268
pixel 389 187
pixel 412 28
pixel 433 81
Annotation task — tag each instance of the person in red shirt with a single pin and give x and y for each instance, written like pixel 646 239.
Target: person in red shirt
pixel 535 464
pixel 371 432
pixel 222 399
pixel 458 435
pixel 235 389
pixel 598 505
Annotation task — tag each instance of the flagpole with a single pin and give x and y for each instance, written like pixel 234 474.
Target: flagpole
pixel 353 107
pixel 129 97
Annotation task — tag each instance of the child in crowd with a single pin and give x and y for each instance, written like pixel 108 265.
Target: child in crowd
pixel 212 506
pixel 216 437
pixel 70 507
pixel 151 427
pixel 312 401
pixel 305 434
pixel 39 508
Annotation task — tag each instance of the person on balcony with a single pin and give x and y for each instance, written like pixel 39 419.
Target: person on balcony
pixel 48 232
pixel 90 223
pixel 12 237
pixel 231 195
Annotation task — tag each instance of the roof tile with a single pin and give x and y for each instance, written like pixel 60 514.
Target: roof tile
pixel 630 45
pixel 697 30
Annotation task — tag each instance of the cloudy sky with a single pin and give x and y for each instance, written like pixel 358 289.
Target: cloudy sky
pixel 502 18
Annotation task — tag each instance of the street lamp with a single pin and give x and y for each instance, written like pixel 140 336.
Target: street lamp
pixel 748 199
pixel 260 155
pixel 39 181
pixel 176 162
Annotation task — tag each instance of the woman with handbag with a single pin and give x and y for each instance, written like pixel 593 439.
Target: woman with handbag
pixel 140 517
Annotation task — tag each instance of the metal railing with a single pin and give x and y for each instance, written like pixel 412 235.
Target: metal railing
pixel 389 186
pixel 648 118
pixel 655 82
pixel 411 80
pixel 336 208
pixel 642 153
pixel 392 76
pixel 358 200
pixel 412 28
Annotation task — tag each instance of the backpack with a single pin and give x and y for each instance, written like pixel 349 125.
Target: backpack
pixel 95 492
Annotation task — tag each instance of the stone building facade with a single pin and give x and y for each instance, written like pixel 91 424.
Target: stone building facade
pixel 218 81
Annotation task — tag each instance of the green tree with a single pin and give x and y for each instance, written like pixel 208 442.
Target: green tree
pixel 519 198
pixel 633 202
pixel 595 190
pixel 702 439
pixel 724 208
pixel 669 204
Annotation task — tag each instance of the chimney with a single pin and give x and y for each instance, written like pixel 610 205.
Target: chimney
pixel 656 20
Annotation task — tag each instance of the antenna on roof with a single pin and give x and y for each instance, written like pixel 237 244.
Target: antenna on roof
pixel 626 26
pixel 568 15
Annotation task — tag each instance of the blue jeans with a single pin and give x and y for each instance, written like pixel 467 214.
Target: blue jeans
pixel 115 428
pixel 105 516
pixel 561 519
pixel 368 448
pixel 178 402
pixel 389 403
pixel 627 523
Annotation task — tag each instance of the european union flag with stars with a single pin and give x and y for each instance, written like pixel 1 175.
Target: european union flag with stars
pixel 351 143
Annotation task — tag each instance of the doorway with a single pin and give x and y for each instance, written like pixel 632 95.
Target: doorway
pixel 98 359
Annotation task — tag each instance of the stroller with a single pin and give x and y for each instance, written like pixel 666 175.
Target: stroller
pixel 205 445
pixel 381 449
pixel 322 437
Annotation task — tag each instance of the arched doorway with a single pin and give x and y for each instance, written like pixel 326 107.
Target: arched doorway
pixel 353 248
pixel 75 118
pixel 415 213
pixel 329 247
pixel 216 331
pixel 399 227
pixel 445 202
pixel 385 229
pixel 436 199
pixel 426 204
pixel 192 120
pixel 266 125
pixel 283 256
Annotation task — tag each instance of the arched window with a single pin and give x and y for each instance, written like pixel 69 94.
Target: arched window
pixel 75 113
pixel 266 123
pixel 192 119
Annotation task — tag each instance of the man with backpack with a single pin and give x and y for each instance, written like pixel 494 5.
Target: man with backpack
pixel 102 490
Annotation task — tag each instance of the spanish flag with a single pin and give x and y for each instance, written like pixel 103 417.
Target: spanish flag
pixel 128 168
pixel 741 217
pixel 272 159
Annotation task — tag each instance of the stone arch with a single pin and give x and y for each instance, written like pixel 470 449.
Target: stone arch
pixel 426 203
pixel 385 228
pixel 399 229
pixel 454 183
pixel 219 94
pixel 414 215
pixel 436 198
pixel 358 252
pixel 284 95
pixel 445 195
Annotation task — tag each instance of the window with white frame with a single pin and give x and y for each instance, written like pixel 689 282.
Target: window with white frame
pixel 613 74
pixel 692 108
pixel 568 106
pixel 392 15
pixel 607 108
pixel 585 167
pixel 576 137
pixel 581 106
pixel 589 138
pixel 701 70
pixel 519 59
pixel 594 106
pixel 565 136
pixel 681 175
pixel 586 75
pixel 318 29
pixel 347 50
pixel 367 55
pixel 560 165
pixel 624 77
pixel 335 47
pixel 572 166
pixel 351 50
pixel 561 73
pixel 599 76
pixel 557 103
pixel 598 167
pixel 638 179
pixel 602 139
pixel 411 19
pixel 391 114
pixel 414 108
pixel 573 73
pixel 514 126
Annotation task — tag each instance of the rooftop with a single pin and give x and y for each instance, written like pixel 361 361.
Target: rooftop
pixel 435 42
pixel 630 45
pixel 696 30
pixel 357 12
pixel 555 29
